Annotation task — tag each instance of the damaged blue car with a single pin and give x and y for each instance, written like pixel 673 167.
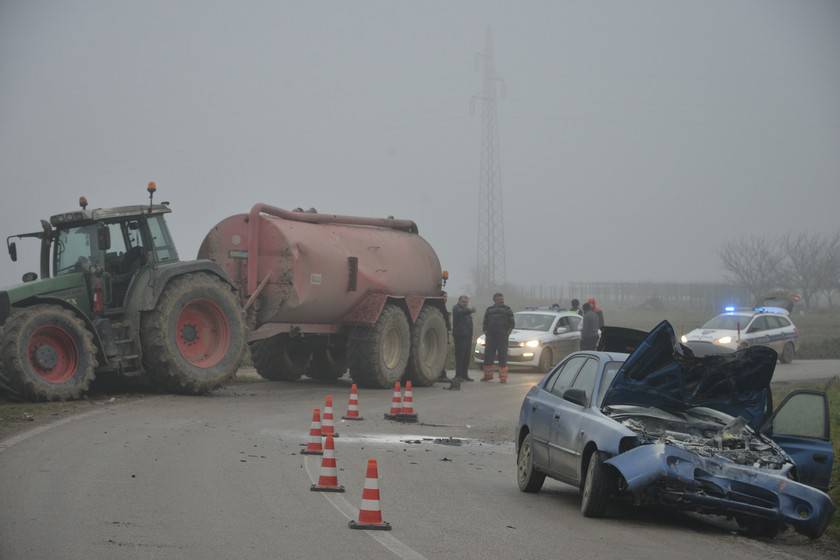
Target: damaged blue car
pixel 649 420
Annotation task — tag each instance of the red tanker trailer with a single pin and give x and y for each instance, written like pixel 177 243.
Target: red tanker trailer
pixel 324 292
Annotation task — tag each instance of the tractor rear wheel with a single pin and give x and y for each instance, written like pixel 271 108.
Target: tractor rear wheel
pixel 429 346
pixel 48 354
pixel 378 355
pixel 328 362
pixel 281 358
pixel 194 339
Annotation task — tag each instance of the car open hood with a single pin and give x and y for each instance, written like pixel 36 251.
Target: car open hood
pixel 620 339
pixel 665 374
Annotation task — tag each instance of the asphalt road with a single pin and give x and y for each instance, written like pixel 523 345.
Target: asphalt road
pixel 807 370
pixel 220 477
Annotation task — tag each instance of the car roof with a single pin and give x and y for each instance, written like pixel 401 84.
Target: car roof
pixel 546 312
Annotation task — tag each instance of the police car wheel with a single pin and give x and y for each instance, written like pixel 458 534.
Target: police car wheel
pixel 787 353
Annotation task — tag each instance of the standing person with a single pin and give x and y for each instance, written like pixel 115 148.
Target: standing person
pixel 442 378
pixel 598 311
pixel 576 307
pixel 589 331
pixel 498 322
pixel 462 332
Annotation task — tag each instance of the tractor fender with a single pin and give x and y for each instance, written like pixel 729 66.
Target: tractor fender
pixel 148 284
pixel 100 347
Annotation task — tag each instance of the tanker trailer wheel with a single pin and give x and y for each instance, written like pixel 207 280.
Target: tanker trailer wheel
pixel 194 339
pixel 281 358
pixel 328 362
pixel 429 340
pixel 378 355
pixel 47 354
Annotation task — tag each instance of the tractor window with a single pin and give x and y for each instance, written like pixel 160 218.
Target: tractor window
pixel 75 250
pixel 164 248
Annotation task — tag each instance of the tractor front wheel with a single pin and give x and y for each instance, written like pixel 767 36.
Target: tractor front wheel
pixel 194 339
pixel 47 354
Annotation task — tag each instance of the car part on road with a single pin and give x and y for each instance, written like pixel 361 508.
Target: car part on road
pixel 529 478
pixel 353 405
pixel 281 358
pixel 313 447
pixel 370 511
pixel 328 477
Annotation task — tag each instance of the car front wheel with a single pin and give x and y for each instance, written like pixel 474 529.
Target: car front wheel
pixel 529 478
pixel 598 486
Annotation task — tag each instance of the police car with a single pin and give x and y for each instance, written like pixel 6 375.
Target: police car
pixel 739 328
pixel 540 339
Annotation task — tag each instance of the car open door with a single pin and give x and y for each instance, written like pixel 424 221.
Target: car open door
pixel 800 425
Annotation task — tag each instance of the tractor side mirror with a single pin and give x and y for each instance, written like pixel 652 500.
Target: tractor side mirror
pixel 104 238
pixel 13 251
pixel 30 277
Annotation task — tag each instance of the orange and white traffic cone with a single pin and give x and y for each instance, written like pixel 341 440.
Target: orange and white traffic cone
pixel 370 513
pixel 328 479
pixel 314 445
pixel 396 403
pixel 353 405
pixel 407 413
pixel 328 421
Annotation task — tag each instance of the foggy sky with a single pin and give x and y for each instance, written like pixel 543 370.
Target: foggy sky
pixel 636 137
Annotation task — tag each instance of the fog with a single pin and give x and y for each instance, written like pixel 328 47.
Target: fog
pixel 636 137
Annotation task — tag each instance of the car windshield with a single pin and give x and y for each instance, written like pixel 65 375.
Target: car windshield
pixel 533 321
pixel 609 374
pixel 728 322
pixel 75 249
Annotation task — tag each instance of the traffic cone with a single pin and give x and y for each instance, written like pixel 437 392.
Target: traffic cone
pixel 396 403
pixel 353 405
pixel 328 423
pixel 407 413
pixel 328 479
pixel 314 445
pixel 370 513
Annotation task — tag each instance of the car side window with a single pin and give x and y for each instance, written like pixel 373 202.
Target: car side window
pixel 585 380
pixel 562 325
pixel 802 415
pixel 758 325
pixel 784 322
pixel 563 378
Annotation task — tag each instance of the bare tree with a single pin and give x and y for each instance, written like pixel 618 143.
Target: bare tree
pixel 812 262
pixel 756 263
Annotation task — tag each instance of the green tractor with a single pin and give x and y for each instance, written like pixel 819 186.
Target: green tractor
pixel 113 298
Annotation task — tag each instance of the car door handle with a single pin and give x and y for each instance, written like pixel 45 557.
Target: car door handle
pixel 534 407
pixel 557 417
pixel 820 457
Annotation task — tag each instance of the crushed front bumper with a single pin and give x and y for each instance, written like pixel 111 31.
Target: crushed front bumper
pixel 679 478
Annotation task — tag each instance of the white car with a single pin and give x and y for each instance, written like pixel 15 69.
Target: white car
pixel 739 328
pixel 540 339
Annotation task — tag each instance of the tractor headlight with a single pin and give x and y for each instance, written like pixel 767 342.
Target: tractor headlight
pixel 532 343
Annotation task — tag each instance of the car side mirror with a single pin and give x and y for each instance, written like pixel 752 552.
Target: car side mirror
pixel 29 277
pixel 13 251
pixel 561 330
pixel 104 238
pixel 577 396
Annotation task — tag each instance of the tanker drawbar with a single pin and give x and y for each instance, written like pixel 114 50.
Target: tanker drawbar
pixel 325 293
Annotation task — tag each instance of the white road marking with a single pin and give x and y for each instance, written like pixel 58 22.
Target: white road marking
pixel 387 540
pixel 28 434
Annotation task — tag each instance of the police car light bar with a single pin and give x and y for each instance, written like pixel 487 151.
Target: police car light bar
pixel 776 310
pixel 729 309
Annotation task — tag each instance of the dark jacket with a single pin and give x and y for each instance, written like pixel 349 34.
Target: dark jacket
pixel 462 323
pixel 498 320
pixel 591 324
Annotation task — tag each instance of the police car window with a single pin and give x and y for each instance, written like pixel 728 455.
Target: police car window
pixel 783 322
pixel 575 323
pixel 586 378
pixel 774 322
pixel 727 322
pixel 563 378
pixel 758 325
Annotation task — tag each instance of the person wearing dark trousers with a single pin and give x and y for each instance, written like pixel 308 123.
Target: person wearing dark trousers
pixel 498 323
pixel 589 330
pixel 462 333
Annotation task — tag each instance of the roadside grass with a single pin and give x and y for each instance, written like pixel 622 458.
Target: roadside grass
pixel 832 389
